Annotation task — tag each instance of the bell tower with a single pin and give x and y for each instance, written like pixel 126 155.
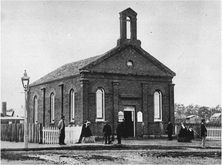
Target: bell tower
pixel 128 28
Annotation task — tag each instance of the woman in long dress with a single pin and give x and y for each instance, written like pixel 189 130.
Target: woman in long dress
pixel 87 136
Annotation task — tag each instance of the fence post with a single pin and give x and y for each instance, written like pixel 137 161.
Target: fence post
pixel 40 133
pixel 10 132
pixel 20 133
pixel 30 132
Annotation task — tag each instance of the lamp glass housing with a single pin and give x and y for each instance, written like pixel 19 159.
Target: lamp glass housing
pixel 25 80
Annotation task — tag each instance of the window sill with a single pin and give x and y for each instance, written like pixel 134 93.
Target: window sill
pixel 157 121
pixel 100 120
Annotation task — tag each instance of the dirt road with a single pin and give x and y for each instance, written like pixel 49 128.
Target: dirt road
pixel 110 157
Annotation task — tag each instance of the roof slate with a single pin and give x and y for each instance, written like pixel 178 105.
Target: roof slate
pixel 66 70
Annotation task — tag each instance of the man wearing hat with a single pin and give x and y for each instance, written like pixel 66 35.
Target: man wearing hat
pixel 107 132
pixel 82 132
pixel 203 132
pixel 85 132
pixel 61 127
pixel 169 130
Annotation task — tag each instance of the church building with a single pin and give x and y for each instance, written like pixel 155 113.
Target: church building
pixel 125 84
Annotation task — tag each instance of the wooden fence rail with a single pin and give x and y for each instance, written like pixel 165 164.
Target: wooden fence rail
pixel 50 135
pixel 38 134
pixel 213 133
pixel 72 134
pixel 12 132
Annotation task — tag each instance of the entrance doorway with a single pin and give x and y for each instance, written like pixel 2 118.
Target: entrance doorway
pixel 129 116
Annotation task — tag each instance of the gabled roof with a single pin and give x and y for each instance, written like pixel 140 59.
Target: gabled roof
pixel 74 68
pixel 129 11
pixel 66 70
pixel 216 115
pixel 139 50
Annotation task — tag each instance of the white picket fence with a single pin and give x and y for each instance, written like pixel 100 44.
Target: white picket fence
pixel 213 133
pixel 51 135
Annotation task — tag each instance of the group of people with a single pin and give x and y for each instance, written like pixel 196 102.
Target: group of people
pixel 86 134
pixel 107 132
pixel 186 133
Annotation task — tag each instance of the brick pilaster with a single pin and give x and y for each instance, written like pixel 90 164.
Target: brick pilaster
pixel 115 103
pixel 171 102
pixel 145 106
pixel 84 95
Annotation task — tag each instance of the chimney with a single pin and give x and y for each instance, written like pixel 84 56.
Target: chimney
pixel 4 108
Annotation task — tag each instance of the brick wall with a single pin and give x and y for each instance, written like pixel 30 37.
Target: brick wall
pixel 131 92
pixel 53 87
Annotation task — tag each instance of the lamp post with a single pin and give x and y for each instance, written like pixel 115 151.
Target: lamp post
pixel 25 83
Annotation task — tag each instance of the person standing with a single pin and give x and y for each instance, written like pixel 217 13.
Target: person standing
pixel 182 133
pixel 190 133
pixel 88 137
pixel 119 132
pixel 169 130
pixel 107 132
pixel 61 127
pixel 203 133
pixel 82 133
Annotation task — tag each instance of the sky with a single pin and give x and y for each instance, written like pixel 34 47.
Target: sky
pixel 41 36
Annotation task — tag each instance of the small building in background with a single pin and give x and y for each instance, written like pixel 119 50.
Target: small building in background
pixel 11 120
pixel 7 116
pixel 216 117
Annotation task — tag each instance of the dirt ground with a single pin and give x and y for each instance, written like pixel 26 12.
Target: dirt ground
pixel 110 157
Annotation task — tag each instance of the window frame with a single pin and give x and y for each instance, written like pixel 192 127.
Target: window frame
pixel 35 106
pixel 72 106
pixel 158 106
pixel 52 108
pixel 102 105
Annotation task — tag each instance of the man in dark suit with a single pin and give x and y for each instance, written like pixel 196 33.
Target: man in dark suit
pixel 169 130
pixel 203 132
pixel 61 127
pixel 119 132
pixel 107 132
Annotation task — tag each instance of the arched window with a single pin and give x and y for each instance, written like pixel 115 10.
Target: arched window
pixel 157 106
pixel 128 28
pixel 72 105
pixel 35 107
pixel 100 104
pixel 52 108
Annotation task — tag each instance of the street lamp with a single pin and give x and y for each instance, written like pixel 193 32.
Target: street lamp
pixel 25 83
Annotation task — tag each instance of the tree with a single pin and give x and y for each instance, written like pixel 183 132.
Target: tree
pixel 201 111
pixel 204 112
pixel 191 109
pixel 179 109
